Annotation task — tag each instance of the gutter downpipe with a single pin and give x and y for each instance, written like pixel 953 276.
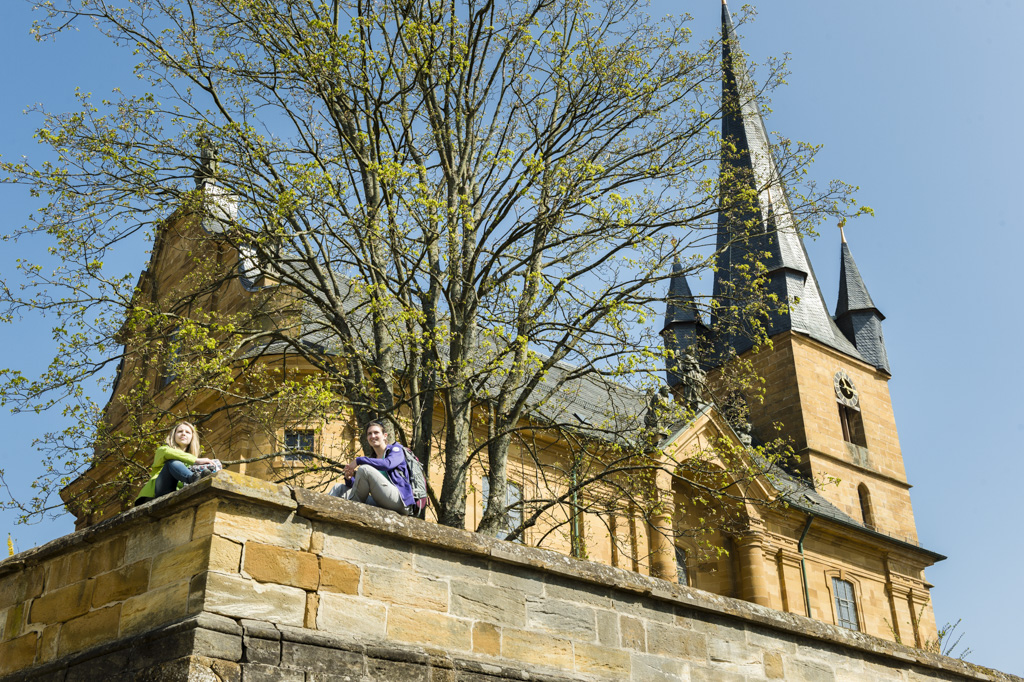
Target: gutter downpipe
pixel 803 565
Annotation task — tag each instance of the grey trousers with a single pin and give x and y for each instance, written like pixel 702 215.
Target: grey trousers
pixel 370 482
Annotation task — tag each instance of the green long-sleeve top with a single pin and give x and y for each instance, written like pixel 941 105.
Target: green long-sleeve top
pixel 163 453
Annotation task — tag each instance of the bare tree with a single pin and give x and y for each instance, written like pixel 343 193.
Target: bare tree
pixel 457 213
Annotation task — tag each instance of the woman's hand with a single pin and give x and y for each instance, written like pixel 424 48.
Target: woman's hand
pixel 203 460
pixel 350 469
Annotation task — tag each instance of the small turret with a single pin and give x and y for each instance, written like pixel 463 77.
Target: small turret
pixel 683 327
pixel 856 314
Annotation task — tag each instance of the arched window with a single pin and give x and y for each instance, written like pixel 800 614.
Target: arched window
pixel 682 575
pixel 865 506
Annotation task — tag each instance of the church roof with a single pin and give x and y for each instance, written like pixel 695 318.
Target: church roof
pixel 753 165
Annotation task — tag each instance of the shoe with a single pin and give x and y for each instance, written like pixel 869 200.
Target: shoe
pixel 200 475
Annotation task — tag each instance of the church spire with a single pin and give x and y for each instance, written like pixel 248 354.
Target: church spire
pixel 755 219
pixel 856 314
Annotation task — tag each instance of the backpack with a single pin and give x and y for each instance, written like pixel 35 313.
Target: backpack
pixel 417 480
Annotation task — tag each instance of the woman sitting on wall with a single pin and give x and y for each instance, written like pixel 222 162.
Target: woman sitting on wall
pixel 382 480
pixel 173 464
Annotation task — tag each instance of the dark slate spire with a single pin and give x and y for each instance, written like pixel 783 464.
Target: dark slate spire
pixel 856 314
pixel 683 326
pixel 754 218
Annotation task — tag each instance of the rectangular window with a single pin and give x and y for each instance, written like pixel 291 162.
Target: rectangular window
pixel 301 440
pixel 853 426
pixel 513 507
pixel 846 607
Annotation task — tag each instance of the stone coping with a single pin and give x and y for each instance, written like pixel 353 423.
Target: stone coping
pixel 322 507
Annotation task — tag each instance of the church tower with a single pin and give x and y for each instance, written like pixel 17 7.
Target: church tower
pixel 826 378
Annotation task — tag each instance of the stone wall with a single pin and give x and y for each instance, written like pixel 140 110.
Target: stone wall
pixel 238 579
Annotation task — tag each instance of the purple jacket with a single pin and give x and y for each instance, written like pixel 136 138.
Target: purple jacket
pixel 393 465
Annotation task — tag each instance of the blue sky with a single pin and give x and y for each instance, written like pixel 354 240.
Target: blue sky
pixel 915 102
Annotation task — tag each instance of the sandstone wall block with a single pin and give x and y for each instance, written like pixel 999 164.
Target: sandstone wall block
pixel 312 606
pixel 154 608
pixel 488 603
pixel 270 564
pixel 13 621
pixel 92 628
pixel 809 671
pixel 239 597
pixel 344 613
pixel 602 661
pixel 444 563
pixel 773 667
pixel 106 556
pixel 634 635
pixel 62 604
pixel 225 555
pixel 486 639
pixel 120 584
pixel 248 522
pixel 649 668
pixel 608 628
pixel 339 576
pixel 360 547
pixel 669 640
pixel 47 650
pixel 318 659
pixel 205 518
pixel 562 617
pixel 258 672
pixel 223 645
pixel 536 648
pixel 21 585
pixel 18 653
pixel 430 628
pixel 181 562
pixel 256 650
pixel 160 536
pixel 405 587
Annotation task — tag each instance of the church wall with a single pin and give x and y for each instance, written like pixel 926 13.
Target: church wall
pixel 876 572
pixel 235 578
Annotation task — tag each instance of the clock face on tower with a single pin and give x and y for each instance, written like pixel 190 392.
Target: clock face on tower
pixel 846 392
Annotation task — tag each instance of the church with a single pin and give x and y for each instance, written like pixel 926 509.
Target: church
pixel 830 536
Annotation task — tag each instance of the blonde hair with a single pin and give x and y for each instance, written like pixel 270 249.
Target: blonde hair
pixel 193 447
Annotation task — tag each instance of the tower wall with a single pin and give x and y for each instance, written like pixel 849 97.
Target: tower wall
pixel 800 394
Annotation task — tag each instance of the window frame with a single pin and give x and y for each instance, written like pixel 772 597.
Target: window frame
pixel 298 459
pixel 842 603
pixel 682 566
pixel 513 506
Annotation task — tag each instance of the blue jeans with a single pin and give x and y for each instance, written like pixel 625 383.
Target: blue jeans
pixel 172 472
